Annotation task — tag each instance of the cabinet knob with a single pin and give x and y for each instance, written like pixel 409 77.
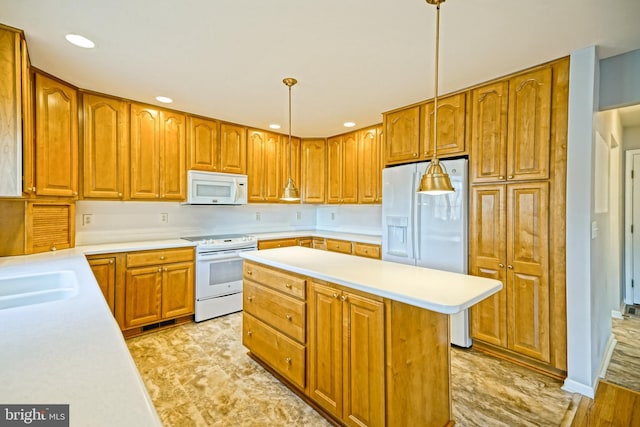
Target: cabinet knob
pixel 53 248
pixel 110 261
pixel 288 360
pixel 287 285
pixel 119 194
pixel 250 298
pixel 289 317
pixel 366 251
pixel 157 196
pixel 510 177
pixel 33 189
pixel 165 269
pixel 501 177
pixel 75 193
pixel 249 272
pixel 344 297
pixel 159 269
pixel 415 154
pixel 335 295
pixel 501 265
pixel 249 332
pixel 510 267
pixel 161 257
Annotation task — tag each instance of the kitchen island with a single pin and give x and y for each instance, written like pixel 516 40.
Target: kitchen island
pixel 364 341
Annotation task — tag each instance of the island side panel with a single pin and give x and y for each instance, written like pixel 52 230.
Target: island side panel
pixel 418 370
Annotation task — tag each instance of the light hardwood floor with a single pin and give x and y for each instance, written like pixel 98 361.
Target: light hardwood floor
pixel 198 374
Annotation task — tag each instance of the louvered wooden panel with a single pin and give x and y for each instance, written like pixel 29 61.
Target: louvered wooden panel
pixel 51 227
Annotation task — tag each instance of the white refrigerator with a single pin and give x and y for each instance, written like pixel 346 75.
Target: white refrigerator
pixel 427 231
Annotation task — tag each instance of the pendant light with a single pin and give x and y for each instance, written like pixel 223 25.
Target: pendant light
pixel 435 179
pixel 290 192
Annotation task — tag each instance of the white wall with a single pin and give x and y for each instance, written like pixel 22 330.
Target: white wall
pixel 112 221
pixel 619 82
pixel 631 138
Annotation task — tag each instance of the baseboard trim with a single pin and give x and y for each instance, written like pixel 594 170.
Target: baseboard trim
pixel 604 364
pixel 575 387
pixel 616 314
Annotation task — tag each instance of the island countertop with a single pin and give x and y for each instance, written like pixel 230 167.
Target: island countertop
pixel 434 290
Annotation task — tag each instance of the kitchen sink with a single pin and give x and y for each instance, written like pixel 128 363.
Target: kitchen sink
pixel 18 291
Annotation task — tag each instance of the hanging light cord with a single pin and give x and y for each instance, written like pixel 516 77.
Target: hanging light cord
pixel 435 85
pixel 290 161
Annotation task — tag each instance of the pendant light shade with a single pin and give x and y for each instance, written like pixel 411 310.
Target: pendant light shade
pixel 435 180
pixel 290 193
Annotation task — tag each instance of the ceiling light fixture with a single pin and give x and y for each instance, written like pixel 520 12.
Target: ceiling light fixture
pixel 290 192
pixel 164 99
pixel 274 126
pixel 80 41
pixel 435 179
pixel 349 124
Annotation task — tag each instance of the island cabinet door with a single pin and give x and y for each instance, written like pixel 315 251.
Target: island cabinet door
pixel 177 290
pixel 325 347
pixel 143 296
pixel 363 361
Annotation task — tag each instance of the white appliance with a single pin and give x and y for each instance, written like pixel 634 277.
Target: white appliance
pixel 427 231
pixel 219 273
pixel 213 188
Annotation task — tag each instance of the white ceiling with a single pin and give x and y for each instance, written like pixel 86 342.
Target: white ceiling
pixel 354 59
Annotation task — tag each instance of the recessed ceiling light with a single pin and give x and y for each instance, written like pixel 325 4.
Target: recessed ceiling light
pixel 274 126
pixel 164 99
pixel 80 41
pixel 349 124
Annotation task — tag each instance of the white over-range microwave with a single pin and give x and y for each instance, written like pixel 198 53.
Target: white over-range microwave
pixel 212 188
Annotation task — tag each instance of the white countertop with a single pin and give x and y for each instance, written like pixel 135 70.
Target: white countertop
pixel 433 290
pixel 354 237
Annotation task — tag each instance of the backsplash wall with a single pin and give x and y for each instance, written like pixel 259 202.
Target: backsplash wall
pixel 112 221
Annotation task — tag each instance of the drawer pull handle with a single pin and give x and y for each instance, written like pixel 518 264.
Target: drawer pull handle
pixel 344 297
pixel 288 360
pixel 289 317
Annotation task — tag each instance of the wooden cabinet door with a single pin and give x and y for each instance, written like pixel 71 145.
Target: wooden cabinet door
pixel 283 161
pixel 28 130
pixel 528 269
pixel 145 152
pixel 325 347
pixel 177 290
pixel 263 166
pixel 105 143
pixel 10 114
pixel 487 244
pixel 402 135
pixel 50 226
pixel 56 138
pixel 312 170
pixel 363 361
pixel 143 296
pixel 173 175
pixel 334 170
pixel 349 168
pixel 204 144
pixel 104 270
pixel 233 149
pixel 529 125
pixel 369 166
pixel 451 126
pixel 489 105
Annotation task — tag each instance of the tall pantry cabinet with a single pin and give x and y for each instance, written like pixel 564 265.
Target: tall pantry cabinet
pixel 518 170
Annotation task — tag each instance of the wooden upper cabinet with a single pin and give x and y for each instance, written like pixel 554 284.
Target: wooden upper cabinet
pixel 529 125
pixel 173 175
pixel 284 163
pixel 342 178
pixel 56 155
pixel 105 145
pixel 313 170
pixel 233 148
pixel 451 126
pixel 145 152
pixel 28 128
pixel 263 166
pixel 489 106
pixel 204 144
pixel 370 165
pixel 158 154
pixel 402 135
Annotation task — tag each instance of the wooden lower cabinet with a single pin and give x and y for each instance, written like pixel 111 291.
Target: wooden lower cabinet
pixel 104 269
pixel 359 359
pixel 153 287
pixel 277 243
pixel 346 355
pixel 342 246
pixel 367 250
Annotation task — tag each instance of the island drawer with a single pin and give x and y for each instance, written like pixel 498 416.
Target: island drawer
pixel 283 282
pixel 161 256
pixel 366 250
pixel 284 313
pixel 281 353
pixel 342 246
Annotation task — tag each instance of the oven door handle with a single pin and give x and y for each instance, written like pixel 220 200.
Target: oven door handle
pixel 219 256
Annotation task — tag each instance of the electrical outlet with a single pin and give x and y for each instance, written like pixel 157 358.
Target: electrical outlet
pixel 87 219
pixel 258 216
pixel 164 218
pixel 298 216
